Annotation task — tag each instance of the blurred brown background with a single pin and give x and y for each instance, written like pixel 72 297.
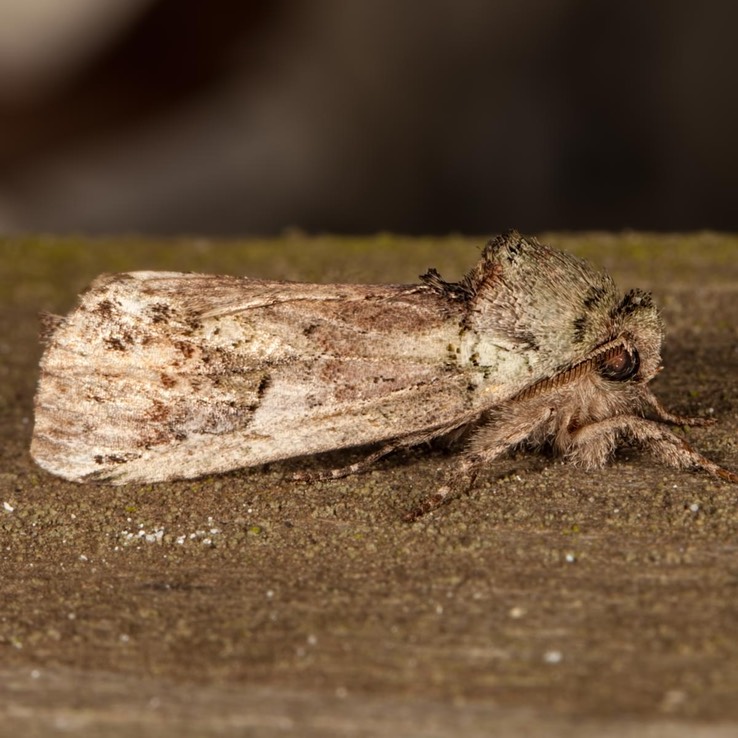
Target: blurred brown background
pixel 252 116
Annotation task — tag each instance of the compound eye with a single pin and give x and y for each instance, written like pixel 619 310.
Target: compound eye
pixel 619 365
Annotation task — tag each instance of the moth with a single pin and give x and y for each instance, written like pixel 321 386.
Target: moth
pixel 160 375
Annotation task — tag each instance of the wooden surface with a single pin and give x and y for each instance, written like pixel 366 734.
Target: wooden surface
pixel 549 601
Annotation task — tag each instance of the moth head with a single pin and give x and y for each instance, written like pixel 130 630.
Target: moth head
pixel 637 327
pixel 621 354
pixel 612 378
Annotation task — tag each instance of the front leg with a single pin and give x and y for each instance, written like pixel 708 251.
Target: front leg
pixel 591 445
pixel 663 415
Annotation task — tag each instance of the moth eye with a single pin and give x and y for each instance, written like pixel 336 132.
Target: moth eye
pixel 619 366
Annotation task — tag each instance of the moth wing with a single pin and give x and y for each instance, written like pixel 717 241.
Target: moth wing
pixel 163 375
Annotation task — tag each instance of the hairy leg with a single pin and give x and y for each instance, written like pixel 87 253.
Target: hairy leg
pixel 487 444
pixel 591 445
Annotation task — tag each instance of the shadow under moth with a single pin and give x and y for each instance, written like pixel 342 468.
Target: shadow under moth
pixel 161 375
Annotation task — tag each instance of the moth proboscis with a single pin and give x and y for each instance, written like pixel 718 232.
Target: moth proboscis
pixel 161 375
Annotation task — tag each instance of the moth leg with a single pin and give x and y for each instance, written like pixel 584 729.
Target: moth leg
pixel 461 484
pixel 663 415
pixel 592 444
pixel 344 471
pixel 488 443
pixel 511 427
pixel 361 466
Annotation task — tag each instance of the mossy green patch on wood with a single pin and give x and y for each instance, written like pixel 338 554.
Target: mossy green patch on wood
pixel 46 270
